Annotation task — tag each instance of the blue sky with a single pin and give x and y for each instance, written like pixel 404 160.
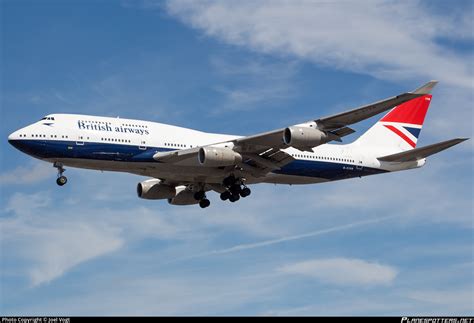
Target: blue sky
pixel 395 244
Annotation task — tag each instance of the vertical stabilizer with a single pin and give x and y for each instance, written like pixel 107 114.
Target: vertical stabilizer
pixel 399 129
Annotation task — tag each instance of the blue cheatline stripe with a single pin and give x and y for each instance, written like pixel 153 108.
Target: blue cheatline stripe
pixel 129 153
pixel 327 170
pixel 88 150
pixel 414 131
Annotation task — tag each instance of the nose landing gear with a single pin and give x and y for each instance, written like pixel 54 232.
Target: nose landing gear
pixel 61 180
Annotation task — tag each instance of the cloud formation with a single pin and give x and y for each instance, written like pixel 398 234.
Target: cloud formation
pixel 50 241
pixel 21 175
pixel 385 39
pixel 343 271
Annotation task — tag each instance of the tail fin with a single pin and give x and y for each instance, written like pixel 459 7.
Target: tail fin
pixel 399 129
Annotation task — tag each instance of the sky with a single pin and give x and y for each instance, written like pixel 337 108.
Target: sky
pixel 393 244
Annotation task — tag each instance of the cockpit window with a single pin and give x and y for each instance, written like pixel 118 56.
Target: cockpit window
pixel 47 118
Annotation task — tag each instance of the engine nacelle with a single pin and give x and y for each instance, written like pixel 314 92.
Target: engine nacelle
pixel 154 189
pixel 183 197
pixel 303 137
pixel 217 157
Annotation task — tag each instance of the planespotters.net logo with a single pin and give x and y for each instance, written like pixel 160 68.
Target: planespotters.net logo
pixel 437 320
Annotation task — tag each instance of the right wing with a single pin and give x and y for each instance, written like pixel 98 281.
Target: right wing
pixel 335 125
pixel 353 116
pixel 262 152
pixel 422 152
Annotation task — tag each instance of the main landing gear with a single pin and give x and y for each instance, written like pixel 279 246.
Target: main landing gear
pixel 201 197
pixel 235 189
pixel 61 180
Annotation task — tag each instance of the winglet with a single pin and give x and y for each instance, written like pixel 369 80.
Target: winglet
pixel 425 89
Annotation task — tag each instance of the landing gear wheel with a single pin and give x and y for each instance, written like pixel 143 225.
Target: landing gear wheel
pixel 61 180
pixel 204 203
pixel 245 192
pixel 199 195
pixel 229 181
pixel 235 189
pixel 225 195
pixel 234 198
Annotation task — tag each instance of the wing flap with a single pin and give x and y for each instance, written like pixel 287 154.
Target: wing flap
pixel 422 152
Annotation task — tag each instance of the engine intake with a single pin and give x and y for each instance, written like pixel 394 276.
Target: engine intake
pixel 304 137
pixel 217 157
pixel 154 189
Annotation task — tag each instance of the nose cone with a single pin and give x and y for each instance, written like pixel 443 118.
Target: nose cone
pixel 12 137
pixel 28 146
pixel 16 139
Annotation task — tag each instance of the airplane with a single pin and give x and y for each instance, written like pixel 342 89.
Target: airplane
pixel 183 164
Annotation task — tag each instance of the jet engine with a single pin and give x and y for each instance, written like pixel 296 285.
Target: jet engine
pixel 303 137
pixel 154 189
pixel 217 157
pixel 183 197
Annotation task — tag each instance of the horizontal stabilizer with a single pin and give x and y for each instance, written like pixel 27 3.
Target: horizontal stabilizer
pixel 422 152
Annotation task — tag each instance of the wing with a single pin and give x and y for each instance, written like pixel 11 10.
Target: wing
pixel 176 156
pixel 335 124
pixel 262 152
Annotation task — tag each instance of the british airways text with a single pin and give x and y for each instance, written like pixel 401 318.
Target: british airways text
pixel 105 126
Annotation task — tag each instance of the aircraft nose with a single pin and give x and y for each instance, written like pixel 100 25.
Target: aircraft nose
pixel 12 140
pixel 11 137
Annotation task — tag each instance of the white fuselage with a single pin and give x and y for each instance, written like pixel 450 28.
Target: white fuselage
pixel 125 145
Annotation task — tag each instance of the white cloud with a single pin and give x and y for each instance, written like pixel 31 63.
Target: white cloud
pixel 266 243
pixel 343 271
pixel 52 243
pixel 386 39
pixel 421 202
pixel 249 84
pixel 60 248
pixel 199 293
pixel 25 175
pixel 28 204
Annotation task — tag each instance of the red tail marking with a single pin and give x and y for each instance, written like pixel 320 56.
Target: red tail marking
pixel 401 134
pixel 413 111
